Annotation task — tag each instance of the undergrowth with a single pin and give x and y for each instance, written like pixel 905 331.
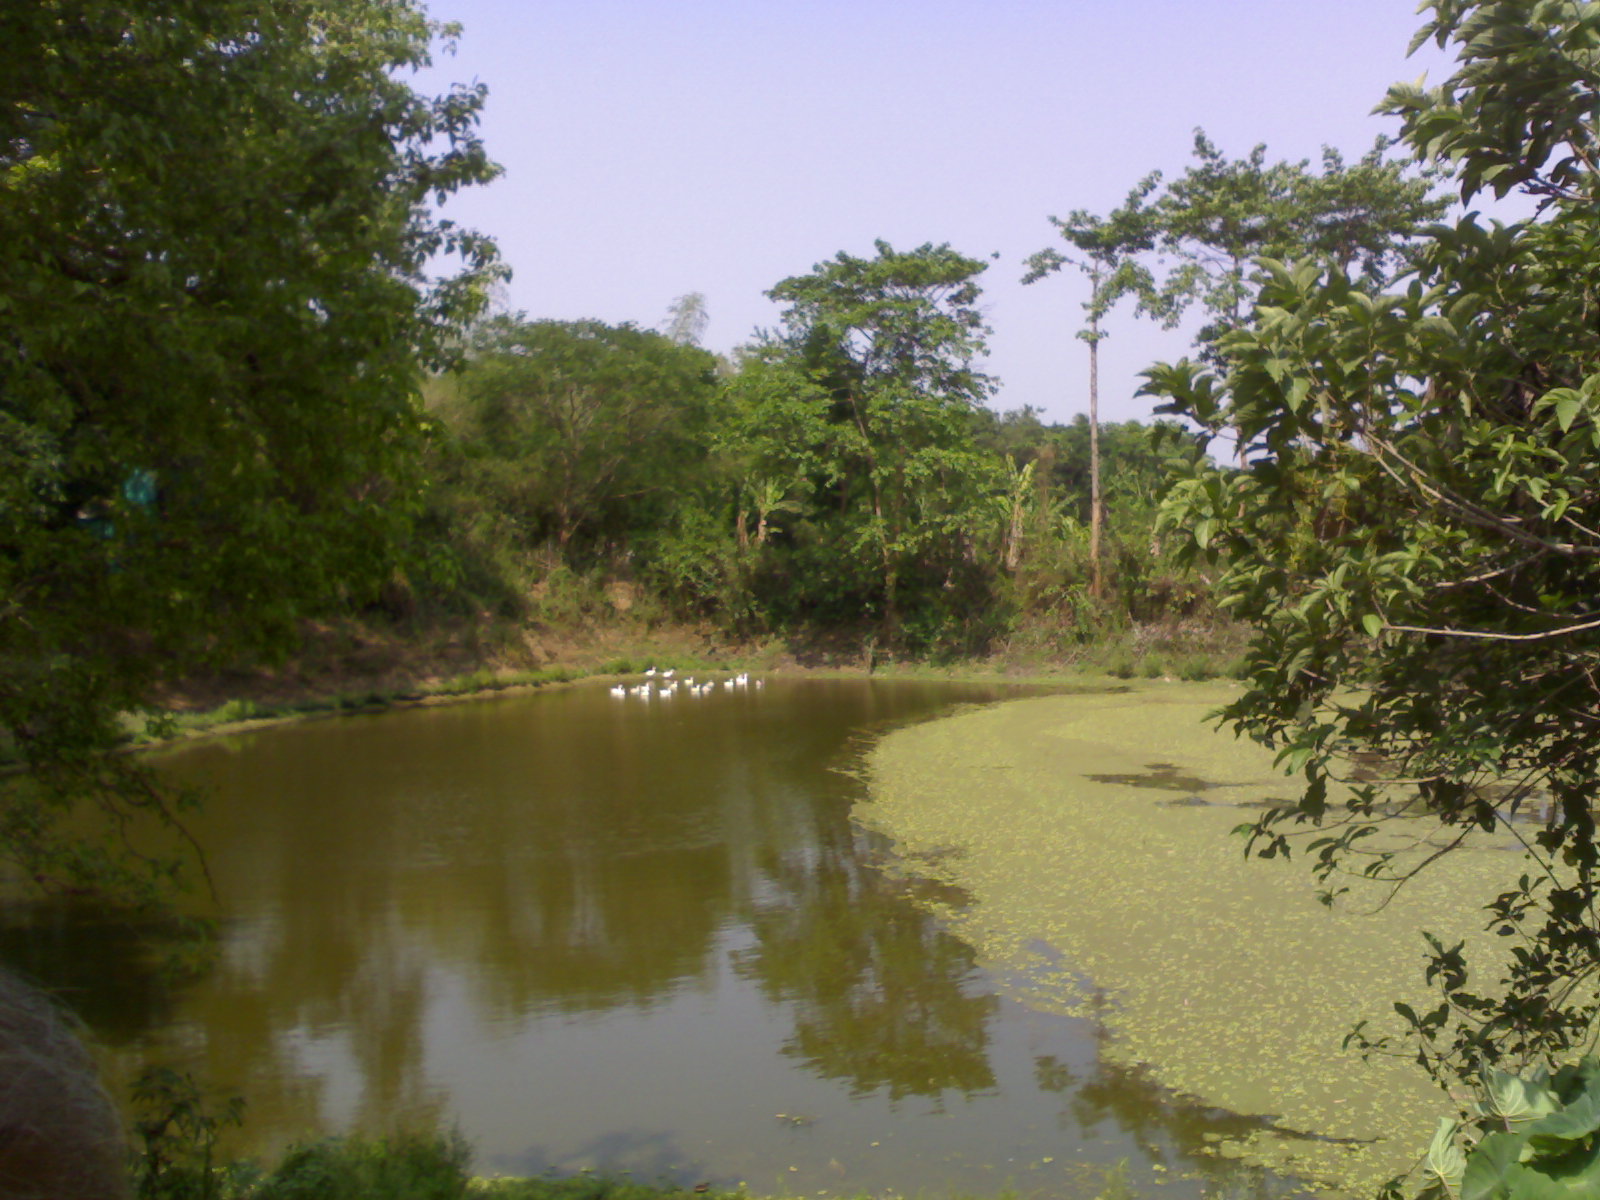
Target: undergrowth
pixel 1187 650
pixel 179 1124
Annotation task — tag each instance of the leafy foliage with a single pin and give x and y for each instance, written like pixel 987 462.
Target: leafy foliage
pixel 576 462
pixel 177 1128
pixel 876 366
pixel 577 433
pixel 215 249
pixel 1219 216
pixel 1412 537
pixel 415 1167
pixel 1532 1138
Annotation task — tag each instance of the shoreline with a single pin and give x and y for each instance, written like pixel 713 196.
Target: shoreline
pixel 351 672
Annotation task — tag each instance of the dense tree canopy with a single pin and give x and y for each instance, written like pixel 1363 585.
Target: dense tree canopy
pixel 215 252
pixel 1219 216
pixel 874 375
pixel 580 428
pixel 1414 537
pixel 580 466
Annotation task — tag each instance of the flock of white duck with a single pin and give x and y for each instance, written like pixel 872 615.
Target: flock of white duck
pixel 663 685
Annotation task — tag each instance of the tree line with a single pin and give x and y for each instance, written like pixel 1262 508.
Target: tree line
pixel 842 474
pixel 210 420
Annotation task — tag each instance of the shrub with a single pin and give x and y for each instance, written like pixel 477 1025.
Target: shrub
pixel 407 1167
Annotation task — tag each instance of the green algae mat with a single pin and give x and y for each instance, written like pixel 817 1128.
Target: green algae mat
pixel 1090 836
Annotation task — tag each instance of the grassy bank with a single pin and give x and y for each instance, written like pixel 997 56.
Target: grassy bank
pixel 435 1167
pixel 415 1167
pixel 355 668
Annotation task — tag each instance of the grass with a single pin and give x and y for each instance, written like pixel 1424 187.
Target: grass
pixel 1181 650
pixel 179 1123
pixel 438 1167
pixel 164 726
pixel 1191 651
pixel 584 1187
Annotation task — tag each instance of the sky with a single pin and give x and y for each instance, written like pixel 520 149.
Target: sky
pixel 654 148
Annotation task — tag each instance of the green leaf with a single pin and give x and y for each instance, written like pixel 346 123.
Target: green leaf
pixel 1485 1172
pixel 1445 1161
pixel 1373 624
pixel 1557 1131
pixel 1567 405
pixel 1509 1097
pixel 1293 758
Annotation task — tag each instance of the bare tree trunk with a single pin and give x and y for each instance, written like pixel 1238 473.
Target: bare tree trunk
pixel 1014 535
pixel 1095 578
pixel 891 573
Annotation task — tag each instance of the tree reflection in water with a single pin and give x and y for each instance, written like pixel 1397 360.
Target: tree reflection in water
pixel 1171 1131
pixel 882 997
pixel 568 926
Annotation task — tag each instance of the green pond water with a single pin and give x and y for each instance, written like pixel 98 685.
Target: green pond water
pixel 808 938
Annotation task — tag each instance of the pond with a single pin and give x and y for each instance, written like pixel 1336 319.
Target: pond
pixel 623 935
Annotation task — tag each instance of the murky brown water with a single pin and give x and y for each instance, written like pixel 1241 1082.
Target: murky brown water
pixel 620 935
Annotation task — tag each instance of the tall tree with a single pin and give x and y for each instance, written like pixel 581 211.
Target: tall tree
pixel 687 319
pixel 1109 250
pixel 1415 539
pixel 581 430
pixel 217 273
pixel 1212 223
pixel 885 348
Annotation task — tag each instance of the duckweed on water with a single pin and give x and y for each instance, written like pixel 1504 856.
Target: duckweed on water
pixel 1226 977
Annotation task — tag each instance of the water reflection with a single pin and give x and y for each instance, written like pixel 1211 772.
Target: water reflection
pixel 494 866
pixel 107 971
pixel 1171 1133
pixel 882 998
pixel 608 935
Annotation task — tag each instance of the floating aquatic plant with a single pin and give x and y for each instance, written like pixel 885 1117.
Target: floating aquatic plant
pixel 1226 977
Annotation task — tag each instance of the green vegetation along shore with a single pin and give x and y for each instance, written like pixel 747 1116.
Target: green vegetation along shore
pixel 355 667
pixel 177 1164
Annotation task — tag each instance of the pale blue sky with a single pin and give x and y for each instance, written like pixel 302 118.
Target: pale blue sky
pixel 654 148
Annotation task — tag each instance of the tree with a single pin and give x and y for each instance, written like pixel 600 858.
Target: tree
pixel 577 427
pixel 217 272
pixel 878 352
pixel 1218 217
pixel 1110 249
pixel 687 319
pixel 1415 536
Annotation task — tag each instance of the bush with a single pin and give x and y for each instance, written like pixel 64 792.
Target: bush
pixel 177 1130
pixel 237 710
pixel 408 1167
